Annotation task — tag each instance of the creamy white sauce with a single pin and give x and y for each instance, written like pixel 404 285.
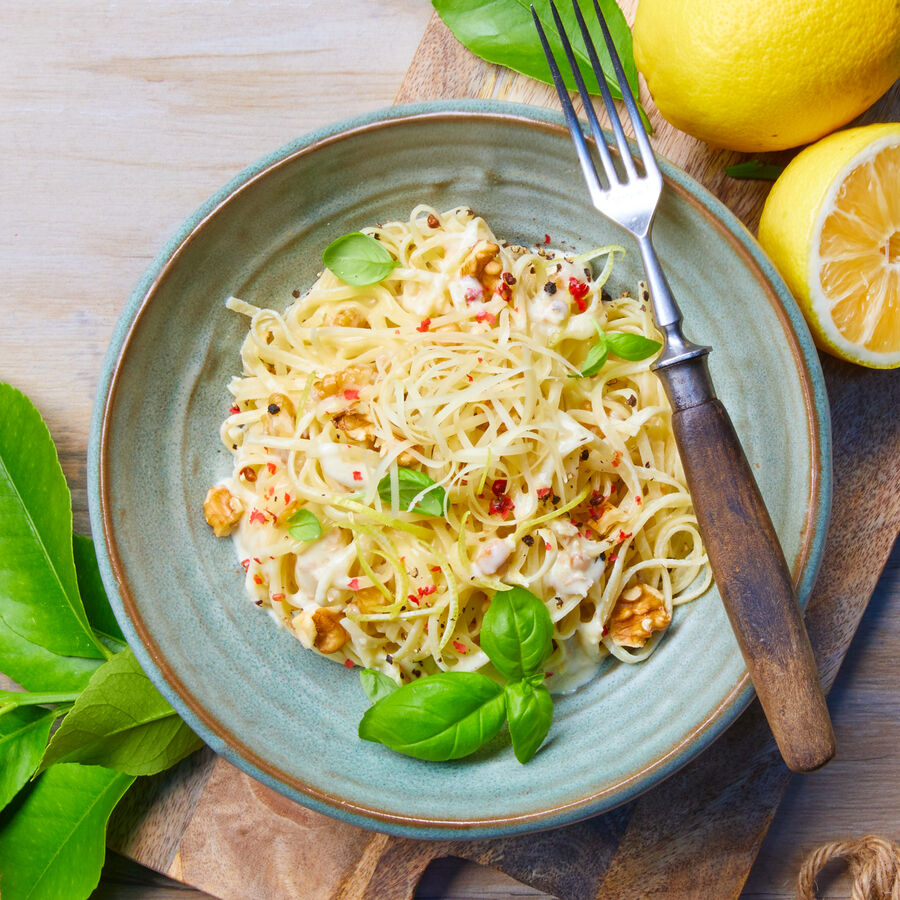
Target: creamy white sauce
pixel 579 668
pixel 343 463
pixel 576 569
pixel 466 291
pixel 491 557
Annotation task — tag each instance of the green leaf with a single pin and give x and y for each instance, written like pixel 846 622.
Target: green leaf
pixel 632 347
pixel 410 483
pixel 376 684
pixel 52 835
pixel 529 708
pixel 754 168
pixel 39 669
pixel 517 633
pixel 39 597
pixel 23 736
pixel 439 717
pixel 358 259
pixel 503 32
pixel 304 526
pixel 93 594
pixel 596 358
pixel 122 722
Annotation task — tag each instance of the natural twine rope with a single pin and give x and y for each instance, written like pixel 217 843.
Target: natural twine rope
pixel 874 867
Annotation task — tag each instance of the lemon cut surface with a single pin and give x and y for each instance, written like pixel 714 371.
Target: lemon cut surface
pixel 832 226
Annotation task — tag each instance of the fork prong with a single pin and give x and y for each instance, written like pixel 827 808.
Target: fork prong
pixel 640 134
pixel 608 166
pixel 611 111
pixel 581 147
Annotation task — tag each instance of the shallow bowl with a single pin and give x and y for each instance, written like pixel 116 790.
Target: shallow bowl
pixel 289 717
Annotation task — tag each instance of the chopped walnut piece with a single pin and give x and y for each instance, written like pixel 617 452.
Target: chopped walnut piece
pixel 639 612
pixel 351 377
pixel 330 634
pixel 222 510
pixel 280 412
pixel 479 258
pixel 370 600
pixel 356 426
pixel 350 318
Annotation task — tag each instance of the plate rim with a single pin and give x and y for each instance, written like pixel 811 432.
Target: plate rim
pixel 231 748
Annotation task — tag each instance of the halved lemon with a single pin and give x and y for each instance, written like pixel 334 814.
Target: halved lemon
pixel 832 227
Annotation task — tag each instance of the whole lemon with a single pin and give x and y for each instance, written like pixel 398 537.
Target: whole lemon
pixel 760 75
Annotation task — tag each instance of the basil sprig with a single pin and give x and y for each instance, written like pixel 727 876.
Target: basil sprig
pixel 632 347
pixel 358 259
pixel 452 714
pixel 304 526
pixel 411 483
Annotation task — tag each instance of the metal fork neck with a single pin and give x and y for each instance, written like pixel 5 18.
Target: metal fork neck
pixel 677 347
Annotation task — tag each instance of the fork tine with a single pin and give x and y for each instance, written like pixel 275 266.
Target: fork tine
pixel 608 167
pixel 581 147
pixel 614 121
pixel 640 134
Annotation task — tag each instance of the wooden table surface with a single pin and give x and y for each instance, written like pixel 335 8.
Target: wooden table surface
pixel 118 119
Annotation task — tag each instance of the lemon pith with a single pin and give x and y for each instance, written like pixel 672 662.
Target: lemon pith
pixel 832 227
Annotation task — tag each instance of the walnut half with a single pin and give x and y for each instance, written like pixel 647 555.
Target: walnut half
pixel 481 260
pixel 330 634
pixel 222 510
pixel 639 612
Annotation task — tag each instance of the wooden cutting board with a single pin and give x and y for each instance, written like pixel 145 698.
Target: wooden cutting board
pixel 694 835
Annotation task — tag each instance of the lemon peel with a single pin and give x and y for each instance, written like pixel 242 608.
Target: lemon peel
pixel 758 75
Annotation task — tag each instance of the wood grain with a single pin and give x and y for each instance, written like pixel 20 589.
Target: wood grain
pixel 117 124
pixel 754 580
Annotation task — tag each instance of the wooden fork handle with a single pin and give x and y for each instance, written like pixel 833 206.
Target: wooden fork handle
pixel 753 578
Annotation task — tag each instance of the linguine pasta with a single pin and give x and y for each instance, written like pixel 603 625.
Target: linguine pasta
pixel 458 365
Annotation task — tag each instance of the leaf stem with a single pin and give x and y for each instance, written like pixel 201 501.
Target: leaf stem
pixel 10 700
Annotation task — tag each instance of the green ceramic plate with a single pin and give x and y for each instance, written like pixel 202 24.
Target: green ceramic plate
pixel 289 717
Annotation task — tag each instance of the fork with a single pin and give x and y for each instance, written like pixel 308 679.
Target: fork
pixel 747 561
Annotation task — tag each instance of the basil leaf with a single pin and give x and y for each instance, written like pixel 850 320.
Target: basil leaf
pixel 358 259
pixel 439 717
pixel 376 684
pixel 23 736
pixel 52 836
pixel 596 358
pixel 754 168
pixel 632 347
pixel 122 722
pixel 304 526
pixel 39 597
pixel 529 708
pixel 503 32
pixel 517 633
pixel 93 594
pixel 410 483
